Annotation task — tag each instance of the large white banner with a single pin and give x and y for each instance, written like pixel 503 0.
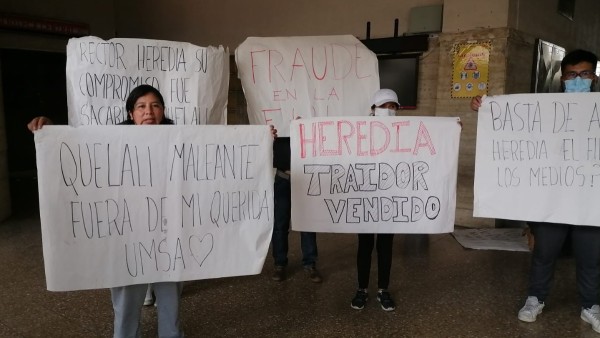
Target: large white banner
pixel 123 205
pixel 374 174
pixel 194 81
pixel 538 158
pixel 289 77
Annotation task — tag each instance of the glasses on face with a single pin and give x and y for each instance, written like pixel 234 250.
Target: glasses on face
pixel 584 74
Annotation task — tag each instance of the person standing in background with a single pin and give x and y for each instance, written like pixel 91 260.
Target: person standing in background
pixel 283 212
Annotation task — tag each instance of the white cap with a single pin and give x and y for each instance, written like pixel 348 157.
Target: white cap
pixel 384 95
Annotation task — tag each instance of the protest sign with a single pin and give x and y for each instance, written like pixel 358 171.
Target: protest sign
pixel 538 158
pixel 289 77
pixel 194 81
pixel 374 174
pixel 128 205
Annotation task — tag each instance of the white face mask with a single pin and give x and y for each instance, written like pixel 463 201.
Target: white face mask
pixel 384 112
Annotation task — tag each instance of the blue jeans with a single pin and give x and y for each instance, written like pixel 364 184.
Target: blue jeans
pixel 549 239
pixel 281 228
pixel 129 300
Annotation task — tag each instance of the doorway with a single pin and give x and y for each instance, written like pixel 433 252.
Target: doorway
pixel 33 84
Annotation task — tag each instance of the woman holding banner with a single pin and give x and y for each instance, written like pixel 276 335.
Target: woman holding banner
pixel 385 103
pixel 144 105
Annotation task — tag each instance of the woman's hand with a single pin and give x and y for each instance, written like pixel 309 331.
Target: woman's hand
pixel 38 123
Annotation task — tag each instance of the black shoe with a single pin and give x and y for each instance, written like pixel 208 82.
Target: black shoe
pixel 360 299
pixel 279 274
pixel 386 301
pixel 313 274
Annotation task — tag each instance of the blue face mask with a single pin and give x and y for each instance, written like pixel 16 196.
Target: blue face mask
pixel 578 85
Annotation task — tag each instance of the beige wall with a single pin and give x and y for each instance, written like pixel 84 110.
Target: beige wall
pixel 466 15
pixel 447 106
pixel 540 19
pixel 228 23
pixel 537 18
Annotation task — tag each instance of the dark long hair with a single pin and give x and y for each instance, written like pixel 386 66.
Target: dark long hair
pixel 138 92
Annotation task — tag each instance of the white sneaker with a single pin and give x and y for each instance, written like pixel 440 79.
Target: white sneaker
pixel 532 308
pixel 149 300
pixel 592 316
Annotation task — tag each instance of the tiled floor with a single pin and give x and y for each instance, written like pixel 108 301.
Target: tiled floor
pixel 441 290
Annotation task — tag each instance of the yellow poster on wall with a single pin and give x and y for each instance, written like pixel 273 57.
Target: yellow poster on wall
pixel 470 69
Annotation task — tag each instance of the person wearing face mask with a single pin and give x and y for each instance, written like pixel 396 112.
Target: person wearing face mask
pixel 578 74
pixel 578 70
pixel 385 103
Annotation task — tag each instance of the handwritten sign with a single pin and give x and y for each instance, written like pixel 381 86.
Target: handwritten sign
pixel 538 158
pixel 289 77
pixel 194 81
pixel 127 205
pixel 374 174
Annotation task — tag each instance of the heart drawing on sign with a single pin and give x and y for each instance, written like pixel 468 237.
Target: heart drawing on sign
pixel 200 248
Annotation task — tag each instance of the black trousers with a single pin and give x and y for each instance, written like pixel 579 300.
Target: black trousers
pixel 549 240
pixel 384 259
